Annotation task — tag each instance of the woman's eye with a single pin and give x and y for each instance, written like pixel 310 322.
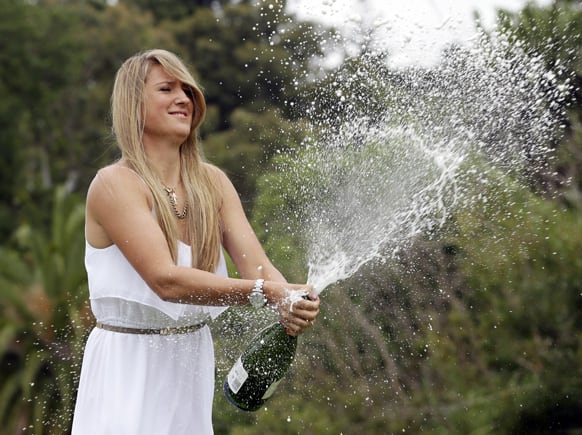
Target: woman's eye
pixel 165 89
pixel 189 92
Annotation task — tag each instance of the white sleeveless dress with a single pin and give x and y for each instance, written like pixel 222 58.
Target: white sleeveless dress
pixel 143 384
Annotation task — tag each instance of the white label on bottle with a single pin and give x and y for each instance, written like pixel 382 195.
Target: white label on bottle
pixel 237 376
pixel 271 389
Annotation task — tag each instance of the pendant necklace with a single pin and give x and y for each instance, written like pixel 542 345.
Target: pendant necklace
pixel 172 197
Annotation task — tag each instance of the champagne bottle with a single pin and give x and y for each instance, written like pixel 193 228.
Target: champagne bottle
pixel 255 376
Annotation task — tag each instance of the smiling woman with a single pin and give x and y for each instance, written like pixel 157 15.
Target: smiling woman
pixel 156 223
pixel 169 106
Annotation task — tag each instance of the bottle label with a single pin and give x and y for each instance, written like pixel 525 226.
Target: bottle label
pixel 271 389
pixel 237 376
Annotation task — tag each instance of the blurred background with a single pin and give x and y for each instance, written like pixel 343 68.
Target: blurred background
pixel 476 331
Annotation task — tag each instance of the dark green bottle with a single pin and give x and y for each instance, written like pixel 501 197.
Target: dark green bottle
pixel 255 376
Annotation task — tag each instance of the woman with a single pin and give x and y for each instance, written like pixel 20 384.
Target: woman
pixel 156 223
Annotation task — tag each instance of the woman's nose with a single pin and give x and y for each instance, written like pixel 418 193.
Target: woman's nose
pixel 185 95
pixel 182 97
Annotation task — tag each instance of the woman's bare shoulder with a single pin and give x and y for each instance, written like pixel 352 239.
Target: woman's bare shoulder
pixel 116 195
pixel 117 180
pixel 118 175
pixel 217 175
pixel 213 170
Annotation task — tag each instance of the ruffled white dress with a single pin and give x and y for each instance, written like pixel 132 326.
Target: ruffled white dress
pixel 143 384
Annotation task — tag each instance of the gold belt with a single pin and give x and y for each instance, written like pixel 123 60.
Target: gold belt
pixel 162 331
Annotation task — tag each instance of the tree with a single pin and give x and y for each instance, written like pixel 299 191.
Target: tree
pixel 32 74
pixel 555 34
pixel 174 10
pixel 245 57
pixel 55 93
pixel 471 331
pixel 44 320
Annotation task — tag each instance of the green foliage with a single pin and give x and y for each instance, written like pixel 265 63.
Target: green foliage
pixel 277 220
pixel 235 150
pixel 172 9
pixel 43 321
pixel 246 59
pixel 474 308
pixel 470 332
pixel 512 329
pixel 55 85
pixel 34 73
pixel 56 81
pixel 555 34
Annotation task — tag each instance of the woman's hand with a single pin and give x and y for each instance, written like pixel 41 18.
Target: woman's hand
pixel 297 305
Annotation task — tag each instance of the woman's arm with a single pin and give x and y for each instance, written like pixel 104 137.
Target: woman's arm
pixel 119 211
pixel 248 255
pixel 239 239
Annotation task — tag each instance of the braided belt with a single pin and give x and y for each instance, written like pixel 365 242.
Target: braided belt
pixel 162 331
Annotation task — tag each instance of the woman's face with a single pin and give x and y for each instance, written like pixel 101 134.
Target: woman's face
pixel 168 107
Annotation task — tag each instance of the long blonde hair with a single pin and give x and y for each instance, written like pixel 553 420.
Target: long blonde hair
pixel 128 118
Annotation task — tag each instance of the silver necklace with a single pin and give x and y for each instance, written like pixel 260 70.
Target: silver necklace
pixel 173 200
